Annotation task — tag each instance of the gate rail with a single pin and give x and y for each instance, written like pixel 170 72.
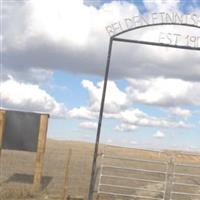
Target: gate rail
pixel 160 184
pixel 187 176
pixel 116 178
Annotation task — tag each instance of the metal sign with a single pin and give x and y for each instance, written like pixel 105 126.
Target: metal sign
pixel 21 131
pixel 152 19
pixel 117 29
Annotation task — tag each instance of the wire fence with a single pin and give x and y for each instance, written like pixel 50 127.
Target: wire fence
pixel 138 172
pixel 17 170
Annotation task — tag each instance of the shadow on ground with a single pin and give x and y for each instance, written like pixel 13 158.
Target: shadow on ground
pixel 28 179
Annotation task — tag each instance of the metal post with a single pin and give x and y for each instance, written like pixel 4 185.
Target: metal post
pixel 169 181
pixel 92 179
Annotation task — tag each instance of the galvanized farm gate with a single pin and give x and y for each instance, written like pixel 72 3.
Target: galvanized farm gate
pixel 143 179
pixel 185 182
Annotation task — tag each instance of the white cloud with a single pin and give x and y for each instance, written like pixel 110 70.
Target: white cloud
pixel 159 135
pixel 164 92
pixel 117 106
pixel 115 101
pixel 88 125
pixel 31 75
pixel 180 112
pixel 139 118
pixel 53 37
pixel 115 98
pixel 126 128
pixel 82 112
pixel 133 142
pixel 17 95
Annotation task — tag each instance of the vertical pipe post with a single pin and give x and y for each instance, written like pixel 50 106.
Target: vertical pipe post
pixel 169 181
pixel 92 179
pixel 66 180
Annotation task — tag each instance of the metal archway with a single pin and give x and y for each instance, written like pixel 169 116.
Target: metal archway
pixel 112 39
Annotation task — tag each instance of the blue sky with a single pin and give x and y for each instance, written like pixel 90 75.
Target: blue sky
pixel 53 60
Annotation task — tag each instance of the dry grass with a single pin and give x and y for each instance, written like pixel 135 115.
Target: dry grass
pixel 17 169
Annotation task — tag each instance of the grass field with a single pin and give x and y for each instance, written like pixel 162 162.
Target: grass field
pixel 17 169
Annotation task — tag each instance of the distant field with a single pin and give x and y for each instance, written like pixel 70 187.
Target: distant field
pixel 17 169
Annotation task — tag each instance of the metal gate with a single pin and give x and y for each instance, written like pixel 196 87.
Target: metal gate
pixel 143 179
pixel 186 182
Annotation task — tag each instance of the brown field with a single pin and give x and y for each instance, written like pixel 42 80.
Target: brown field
pixel 17 169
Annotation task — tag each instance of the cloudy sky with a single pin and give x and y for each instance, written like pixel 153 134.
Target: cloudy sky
pixel 53 55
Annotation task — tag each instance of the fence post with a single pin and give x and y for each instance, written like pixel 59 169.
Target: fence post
pixel 2 122
pixel 169 179
pixel 66 180
pixel 40 151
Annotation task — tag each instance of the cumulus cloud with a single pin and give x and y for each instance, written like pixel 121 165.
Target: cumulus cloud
pixel 28 75
pixel 54 37
pixel 29 97
pixel 115 101
pixel 164 92
pixel 82 113
pixel 117 106
pixel 88 125
pixel 180 112
pixel 126 128
pixel 159 135
pixel 133 142
pixel 115 98
pixel 139 118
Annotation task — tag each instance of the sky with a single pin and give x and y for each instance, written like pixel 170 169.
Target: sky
pixel 53 57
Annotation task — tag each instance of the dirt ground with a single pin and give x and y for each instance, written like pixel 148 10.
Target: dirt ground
pixel 17 169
